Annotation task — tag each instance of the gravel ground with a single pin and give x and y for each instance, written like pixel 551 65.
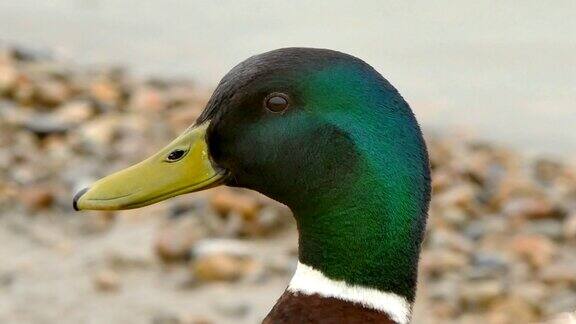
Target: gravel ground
pixel 499 248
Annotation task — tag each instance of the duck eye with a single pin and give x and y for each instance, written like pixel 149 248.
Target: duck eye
pixel 276 102
pixel 175 155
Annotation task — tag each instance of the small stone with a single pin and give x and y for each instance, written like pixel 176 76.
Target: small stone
pixel 547 170
pixel 513 187
pixel 53 92
pixel 132 258
pixel 37 197
pixel 75 111
pixel 209 246
pixel 24 92
pixel 531 292
pixel 8 78
pixel 538 250
pixel 21 54
pixel 147 99
pixel 441 180
pixel 169 318
pixel 521 271
pixel 7 279
pixel 100 132
pixel 183 117
pixel 455 216
pixel 192 319
pixel 106 91
pixel 106 280
pixel 460 195
pixel 46 124
pixel 476 229
pixel 487 265
pixel 559 272
pixel 222 267
pixel 226 201
pixel 551 228
pixel 561 300
pixel 563 318
pixel 166 318
pixel 530 208
pixel 511 310
pixel 282 264
pixel 174 241
pixel 444 289
pixel 232 308
pixel 444 239
pixel 440 261
pixel 481 293
pixel 98 221
pixel 570 227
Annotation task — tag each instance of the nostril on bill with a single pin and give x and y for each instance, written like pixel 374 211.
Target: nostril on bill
pixel 77 197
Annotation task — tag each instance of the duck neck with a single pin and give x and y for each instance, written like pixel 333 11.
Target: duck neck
pixel 366 240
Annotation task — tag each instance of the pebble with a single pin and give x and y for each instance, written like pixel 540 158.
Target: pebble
pixel 106 281
pixel 531 208
pixel 455 216
pixel 228 200
pixel 476 229
pixel 481 293
pixel 47 124
pixel 7 279
pixel 282 264
pixel 8 78
pixel 169 318
pixel 440 261
pixel 443 239
pixel 147 99
pixel 551 228
pixel 534 293
pixel 559 272
pixel 447 290
pixel 37 197
pixel 182 117
pixel 174 241
pixel 563 318
pixel 561 300
pixel 547 170
pixel 166 318
pixel 460 195
pixel 53 92
pixel 100 132
pixel 536 249
pixel 223 267
pixel 232 308
pixel 570 227
pixel 106 91
pixel 488 265
pixel 511 310
pixel 75 111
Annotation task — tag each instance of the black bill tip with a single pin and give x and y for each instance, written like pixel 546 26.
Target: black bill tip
pixel 77 197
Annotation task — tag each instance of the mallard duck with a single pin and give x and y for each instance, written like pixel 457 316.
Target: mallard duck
pixel 325 134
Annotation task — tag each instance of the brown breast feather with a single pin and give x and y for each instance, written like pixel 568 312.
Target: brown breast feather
pixel 301 309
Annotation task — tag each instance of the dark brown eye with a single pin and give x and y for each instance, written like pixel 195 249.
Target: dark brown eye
pixel 175 155
pixel 276 102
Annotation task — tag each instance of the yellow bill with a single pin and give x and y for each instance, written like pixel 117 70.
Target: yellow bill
pixel 181 167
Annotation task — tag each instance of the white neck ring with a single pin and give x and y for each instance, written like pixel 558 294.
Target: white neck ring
pixel 309 281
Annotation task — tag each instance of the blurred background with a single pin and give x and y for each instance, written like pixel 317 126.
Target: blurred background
pixel 90 86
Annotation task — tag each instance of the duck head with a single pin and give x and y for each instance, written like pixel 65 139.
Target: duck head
pixel 320 131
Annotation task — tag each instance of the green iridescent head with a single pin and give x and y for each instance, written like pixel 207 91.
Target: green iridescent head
pixel 341 148
pixel 327 135
pixel 342 122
